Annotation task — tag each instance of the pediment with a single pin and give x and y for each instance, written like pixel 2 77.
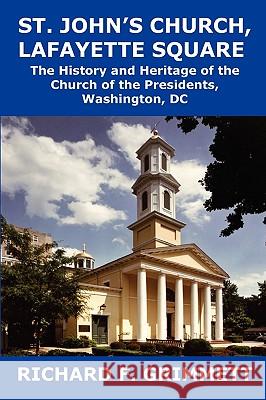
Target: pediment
pixel 190 256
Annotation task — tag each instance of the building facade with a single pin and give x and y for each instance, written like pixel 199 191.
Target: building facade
pixel 164 288
pixel 38 238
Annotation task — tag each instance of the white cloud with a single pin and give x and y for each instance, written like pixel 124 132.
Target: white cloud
pixel 52 174
pixel 191 196
pixel 69 251
pixel 91 214
pixel 120 241
pixel 248 284
pixel 129 138
pixel 118 227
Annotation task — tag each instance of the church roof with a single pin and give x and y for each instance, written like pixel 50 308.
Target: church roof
pixel 158 140
pixel 83 255
pixel 192 247
pixel 147 177
pixel 150 255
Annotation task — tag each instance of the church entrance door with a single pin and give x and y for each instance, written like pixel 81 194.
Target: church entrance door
pixel 100 329
pixel 169 325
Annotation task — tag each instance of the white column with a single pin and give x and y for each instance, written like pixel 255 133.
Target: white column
pixel 207 312
pixel 194 311
pixel 179 309
pixel 142 305
pixel 219 314
pixel 161 308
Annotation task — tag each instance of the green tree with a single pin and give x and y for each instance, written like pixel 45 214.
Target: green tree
pixel 236 178
pixel 262 304
pixel 231 298
pixel 256 306
pixel 235 317
pixel 238 321
pixel 37 289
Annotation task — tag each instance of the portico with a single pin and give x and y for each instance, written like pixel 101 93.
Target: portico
pixel 200 295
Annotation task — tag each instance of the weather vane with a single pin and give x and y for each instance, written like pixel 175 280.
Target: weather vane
pixel 154 130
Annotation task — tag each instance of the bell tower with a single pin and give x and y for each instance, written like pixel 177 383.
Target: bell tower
pixel 155 189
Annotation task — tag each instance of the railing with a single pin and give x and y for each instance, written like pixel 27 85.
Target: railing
pixel 169 342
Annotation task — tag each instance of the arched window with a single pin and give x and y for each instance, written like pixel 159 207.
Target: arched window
pixel 164 162
pixel 146 162
pixel 144 201
pixel 166 200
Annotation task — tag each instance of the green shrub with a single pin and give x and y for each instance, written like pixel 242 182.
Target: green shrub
pixel 242 350
pixel 117 345
pixel 58 352
pixel 75 343
pixel 219 352
pixel 19 353
pixel 172 351
pixel 86 342
pixel 147 347
pixel 222 351
pixel 160 347
pixel 133 346
pixel 258 351
pixel 101 351
pixel 234 339
pixel 197 347
pixel 72 343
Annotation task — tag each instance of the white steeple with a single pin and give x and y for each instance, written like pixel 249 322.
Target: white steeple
pixel 156 187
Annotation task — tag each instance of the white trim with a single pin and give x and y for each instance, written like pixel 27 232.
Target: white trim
pixel 193 276
pixel 99 287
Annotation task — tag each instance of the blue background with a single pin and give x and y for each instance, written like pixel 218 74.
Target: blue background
pixel 23 94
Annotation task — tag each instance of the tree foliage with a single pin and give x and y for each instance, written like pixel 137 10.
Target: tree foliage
pixel 37 289
pixel 236 178
pixel 240 312
pixel 231 298
pixel 235 316
pixel 256 306
pixel 238 321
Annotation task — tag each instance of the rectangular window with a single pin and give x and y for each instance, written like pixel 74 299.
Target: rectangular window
pixel 164 162
pixel 35 239
pixel 84 328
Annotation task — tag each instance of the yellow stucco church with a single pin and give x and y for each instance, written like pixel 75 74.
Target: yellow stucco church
pixel 163 288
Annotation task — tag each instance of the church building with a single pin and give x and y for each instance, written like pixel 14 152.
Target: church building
pixel 164 288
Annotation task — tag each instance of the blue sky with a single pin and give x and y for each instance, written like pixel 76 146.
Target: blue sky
pixel 72 177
